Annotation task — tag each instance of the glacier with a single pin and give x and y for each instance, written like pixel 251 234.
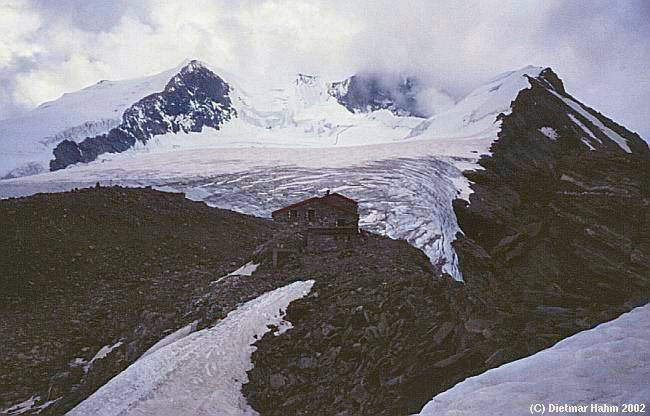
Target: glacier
pixel 406 197
pixel 292 143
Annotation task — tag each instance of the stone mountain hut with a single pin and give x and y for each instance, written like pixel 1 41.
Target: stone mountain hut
pixel 332 210
pixel 325 221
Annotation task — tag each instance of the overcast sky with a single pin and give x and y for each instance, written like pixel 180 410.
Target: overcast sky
pixel 601 49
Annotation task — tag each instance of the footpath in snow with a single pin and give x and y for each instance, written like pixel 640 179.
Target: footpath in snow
pixel 200 374
pixel 607 365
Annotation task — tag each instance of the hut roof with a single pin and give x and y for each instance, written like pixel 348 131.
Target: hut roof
pixel 322 199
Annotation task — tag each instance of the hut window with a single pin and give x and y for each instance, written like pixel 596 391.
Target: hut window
pixel 311 215
pixel 340 222
pixel 293 214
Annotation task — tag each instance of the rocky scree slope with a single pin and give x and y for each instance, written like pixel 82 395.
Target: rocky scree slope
pixel 372 319
pixel 194 98
pixel 555 241
pixel 553 217
pixel 90 279
pixel 560 232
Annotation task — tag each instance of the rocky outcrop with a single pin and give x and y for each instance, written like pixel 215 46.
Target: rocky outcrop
pixel 559 229
pixel 359 338
pixel 370 92
pixel 554 211
pixel 194 98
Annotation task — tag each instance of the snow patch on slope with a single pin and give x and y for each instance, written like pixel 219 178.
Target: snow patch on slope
pixel 587 141
pixel 608 364
pixel 171 338
pixel 549 132
pixel 104 351
pixel 34 405
pixel 615 137
pixel 245 270
pixel 200 374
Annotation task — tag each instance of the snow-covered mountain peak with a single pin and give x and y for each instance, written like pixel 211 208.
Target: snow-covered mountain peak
pixel 506 85
pixel 310 90
pixel 193 65
pixel 475 115
pixel 312 104
pixel 28 141
pixel 193 98
pixel 365 108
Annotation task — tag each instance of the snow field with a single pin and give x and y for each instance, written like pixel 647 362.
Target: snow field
pixel 609 364
pixel 200 374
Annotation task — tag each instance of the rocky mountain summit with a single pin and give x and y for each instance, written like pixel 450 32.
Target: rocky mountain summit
pixel 194 98
pixel 370 92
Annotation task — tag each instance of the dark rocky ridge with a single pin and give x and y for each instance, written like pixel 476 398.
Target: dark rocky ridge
pixel 556 241
pixel 87 269
pixel 194 98
pixel 370 92
pixel 562 229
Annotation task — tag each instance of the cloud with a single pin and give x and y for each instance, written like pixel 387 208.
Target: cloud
pixel 16 52
pixel 599 48
pixel 92 16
